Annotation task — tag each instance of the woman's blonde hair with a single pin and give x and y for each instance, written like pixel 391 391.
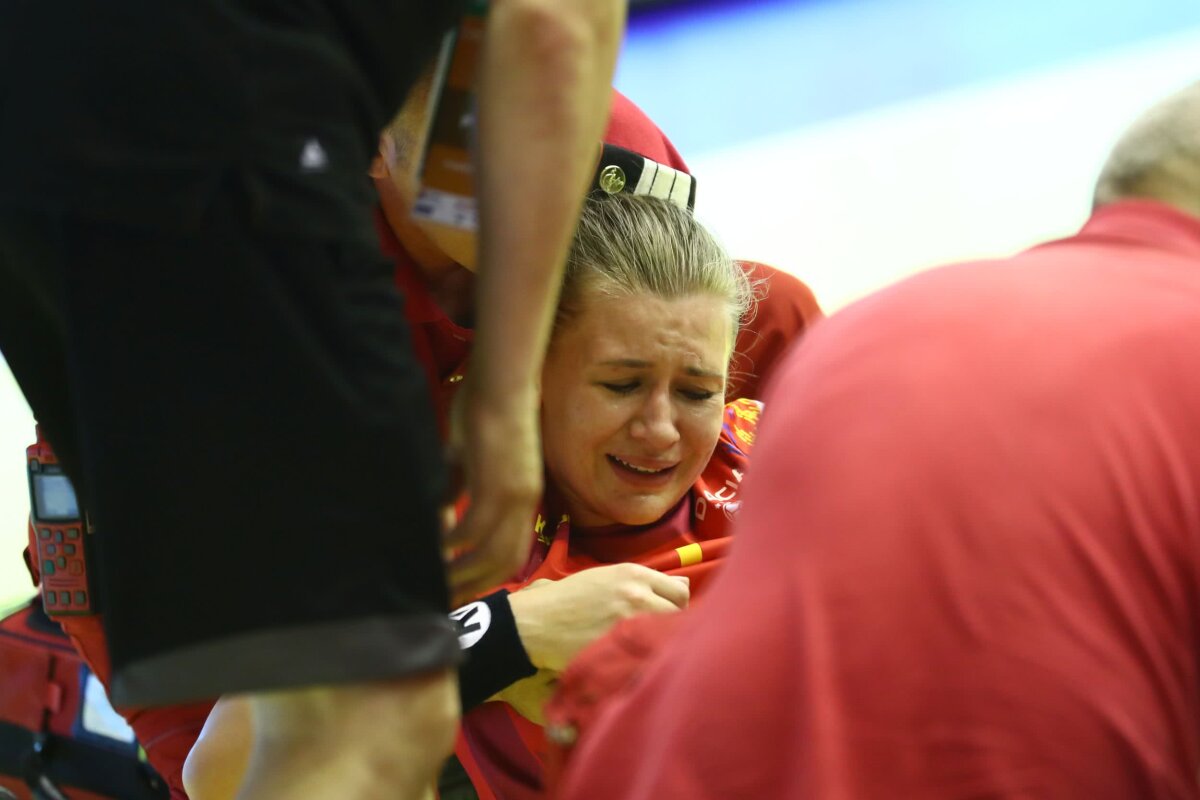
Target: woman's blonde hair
pixel 635 244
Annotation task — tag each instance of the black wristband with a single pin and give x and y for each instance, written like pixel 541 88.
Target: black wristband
pixel 493 656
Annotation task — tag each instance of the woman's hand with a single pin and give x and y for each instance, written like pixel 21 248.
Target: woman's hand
pixel 557 619
pixel 495 443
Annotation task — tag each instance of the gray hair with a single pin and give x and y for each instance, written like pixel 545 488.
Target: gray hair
pixel 630 244
pixel 1158 157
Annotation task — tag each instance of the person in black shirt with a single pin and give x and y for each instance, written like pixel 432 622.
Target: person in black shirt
pixel 193 303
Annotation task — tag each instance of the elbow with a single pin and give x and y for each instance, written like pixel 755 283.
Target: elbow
pixel 219 759
pixel 196 771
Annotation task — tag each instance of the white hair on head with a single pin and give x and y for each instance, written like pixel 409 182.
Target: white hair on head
pixel 1158 156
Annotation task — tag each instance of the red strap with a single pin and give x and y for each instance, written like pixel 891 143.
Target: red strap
pixel 54 697
pixel 30 556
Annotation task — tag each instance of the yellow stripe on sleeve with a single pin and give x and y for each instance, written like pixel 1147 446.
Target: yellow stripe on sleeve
pixel 690 554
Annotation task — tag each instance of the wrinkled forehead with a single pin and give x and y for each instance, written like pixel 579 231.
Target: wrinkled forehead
pixel 614 325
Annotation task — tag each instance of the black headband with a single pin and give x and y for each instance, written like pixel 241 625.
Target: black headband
pixel 622 170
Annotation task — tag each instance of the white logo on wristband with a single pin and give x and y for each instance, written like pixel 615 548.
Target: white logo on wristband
pixel 472 622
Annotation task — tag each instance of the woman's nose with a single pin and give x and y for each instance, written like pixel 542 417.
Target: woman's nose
pixel 655 421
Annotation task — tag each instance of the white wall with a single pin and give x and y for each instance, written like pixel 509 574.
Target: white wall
pixel 16 432
pixel 858 202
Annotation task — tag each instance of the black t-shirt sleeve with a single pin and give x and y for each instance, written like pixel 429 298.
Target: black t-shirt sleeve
pixel 493 655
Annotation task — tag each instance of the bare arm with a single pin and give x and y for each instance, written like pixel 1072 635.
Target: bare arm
pixel 220 761
pixel 217 763
pixel 544 95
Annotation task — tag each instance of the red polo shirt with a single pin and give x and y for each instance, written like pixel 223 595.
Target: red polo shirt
pixel 967 560
pixel 786 308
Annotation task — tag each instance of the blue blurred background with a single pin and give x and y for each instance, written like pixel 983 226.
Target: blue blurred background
pixel 720 72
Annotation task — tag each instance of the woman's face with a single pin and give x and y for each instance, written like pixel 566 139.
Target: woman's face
pixel 632 399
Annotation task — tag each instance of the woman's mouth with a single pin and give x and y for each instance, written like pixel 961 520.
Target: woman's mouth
pixel 642 473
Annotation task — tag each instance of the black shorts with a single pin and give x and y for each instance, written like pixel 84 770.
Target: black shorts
pixel 252 440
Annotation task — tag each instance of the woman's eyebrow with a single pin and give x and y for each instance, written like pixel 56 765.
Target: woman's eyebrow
pixel 634 363
pixel 637 363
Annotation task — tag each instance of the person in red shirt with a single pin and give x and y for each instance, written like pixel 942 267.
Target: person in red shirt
pixel 644 463
pixel 437 288
pixel 434 272
pixel 968 551
pixel 643 458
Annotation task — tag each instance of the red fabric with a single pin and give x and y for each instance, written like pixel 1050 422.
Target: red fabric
pixel 166 734
pixel 968 555
pixel 629 127
pixel 786 309
pixel 41 677
pixel 603 670
pixel 440 345
pixel 41 686
pixel 504 753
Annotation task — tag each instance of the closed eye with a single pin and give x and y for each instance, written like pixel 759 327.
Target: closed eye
pixel 699 395
pixel 621 388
